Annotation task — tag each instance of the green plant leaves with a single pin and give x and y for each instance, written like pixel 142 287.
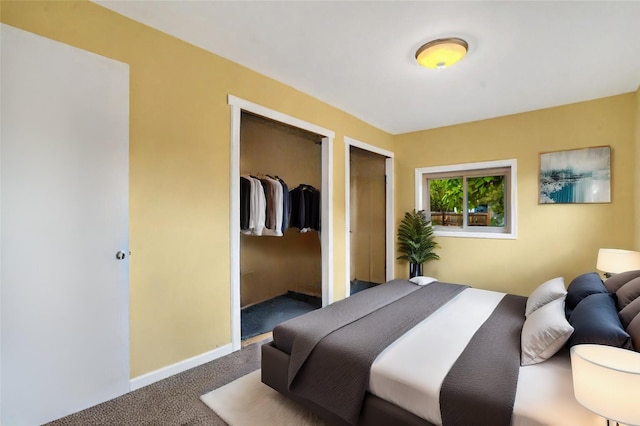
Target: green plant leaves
pixel 416 241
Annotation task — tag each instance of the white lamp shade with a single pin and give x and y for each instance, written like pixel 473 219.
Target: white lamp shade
pixel 606 380
pixel 615 260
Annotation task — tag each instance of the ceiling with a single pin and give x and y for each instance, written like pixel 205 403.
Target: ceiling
pixel 359 56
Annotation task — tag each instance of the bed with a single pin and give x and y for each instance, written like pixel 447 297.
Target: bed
pixel 443 353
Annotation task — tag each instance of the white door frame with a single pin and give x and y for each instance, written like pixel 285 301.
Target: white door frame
pixel 326 218
pixel 388 170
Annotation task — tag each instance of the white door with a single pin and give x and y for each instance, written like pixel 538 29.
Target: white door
pixel 64 216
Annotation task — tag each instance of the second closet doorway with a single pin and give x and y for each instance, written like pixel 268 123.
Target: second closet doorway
pixel 369 193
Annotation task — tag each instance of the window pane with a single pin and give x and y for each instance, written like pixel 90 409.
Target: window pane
pixel 486 198
pixel 445 197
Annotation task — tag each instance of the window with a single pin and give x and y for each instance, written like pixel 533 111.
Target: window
pixel 469 200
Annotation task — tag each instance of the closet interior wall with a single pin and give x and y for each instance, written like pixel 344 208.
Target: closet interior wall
pixel 271 266
pixel 367 209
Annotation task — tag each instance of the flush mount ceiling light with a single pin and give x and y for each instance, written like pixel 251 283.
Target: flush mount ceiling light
pixel 441 53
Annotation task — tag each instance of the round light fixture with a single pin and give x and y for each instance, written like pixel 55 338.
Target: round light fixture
pixel 441 53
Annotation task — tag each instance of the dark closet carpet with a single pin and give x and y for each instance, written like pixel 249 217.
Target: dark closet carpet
pixel 358 285
pixel 263 317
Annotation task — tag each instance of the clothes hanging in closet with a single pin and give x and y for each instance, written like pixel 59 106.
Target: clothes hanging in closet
pixel 253 205
pixel 245 202
pixel 264 205
pixel 286 204
pixel 273 217
pixel 305 208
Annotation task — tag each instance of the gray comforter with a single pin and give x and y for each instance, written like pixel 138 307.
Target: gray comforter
pixel 480 388
pixel 332 349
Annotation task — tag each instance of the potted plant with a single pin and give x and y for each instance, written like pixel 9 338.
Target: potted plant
pixel 416 241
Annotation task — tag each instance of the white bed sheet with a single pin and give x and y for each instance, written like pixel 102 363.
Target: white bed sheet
pixel 410 372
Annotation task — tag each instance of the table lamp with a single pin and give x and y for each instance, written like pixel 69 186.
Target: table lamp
pixel 614 261
pixel 606 380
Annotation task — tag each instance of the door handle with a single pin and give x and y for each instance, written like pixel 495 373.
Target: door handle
pixel 120 255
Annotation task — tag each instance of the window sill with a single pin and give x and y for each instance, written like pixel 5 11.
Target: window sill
pixel 476 234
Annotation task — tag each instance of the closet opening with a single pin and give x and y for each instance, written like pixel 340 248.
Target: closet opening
pixel 280 254
pixel 280 219
pixel 369 215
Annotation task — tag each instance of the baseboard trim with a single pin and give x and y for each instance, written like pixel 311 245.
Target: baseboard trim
pixel 179 367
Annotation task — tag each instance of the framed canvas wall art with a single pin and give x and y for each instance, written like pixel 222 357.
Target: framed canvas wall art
pixel 575 176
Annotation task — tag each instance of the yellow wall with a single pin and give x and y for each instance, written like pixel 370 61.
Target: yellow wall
pixel 179 171
pixel 553 240
pixel 636 188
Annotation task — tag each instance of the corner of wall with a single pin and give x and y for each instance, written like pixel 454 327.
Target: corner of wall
pixel 636 186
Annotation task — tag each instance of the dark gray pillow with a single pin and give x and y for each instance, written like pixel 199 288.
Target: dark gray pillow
pixel 618 280
pixel 629 312
pixel 628 293
pixel 595 320
pixel 634 331
pixel 582 286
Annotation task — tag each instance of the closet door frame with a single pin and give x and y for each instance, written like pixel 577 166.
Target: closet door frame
pixel 389 231
pixel 326 218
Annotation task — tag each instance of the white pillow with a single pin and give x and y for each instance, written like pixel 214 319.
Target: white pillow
pixel 422 280
pixel 545 293
pixel 544 332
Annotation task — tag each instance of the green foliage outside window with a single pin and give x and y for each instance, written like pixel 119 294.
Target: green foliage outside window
pixel 447 196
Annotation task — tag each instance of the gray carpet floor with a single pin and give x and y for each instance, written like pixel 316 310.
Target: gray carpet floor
pixel 172 401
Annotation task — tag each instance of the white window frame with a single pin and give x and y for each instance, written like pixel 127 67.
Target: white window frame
pixel 510 233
